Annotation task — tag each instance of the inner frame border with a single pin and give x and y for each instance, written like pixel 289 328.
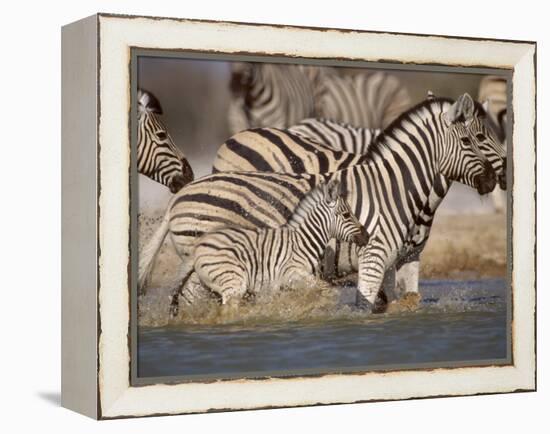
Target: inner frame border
pixel 182 54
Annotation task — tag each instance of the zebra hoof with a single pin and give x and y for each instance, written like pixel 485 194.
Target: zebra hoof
pixel 381 303
pixel 363 304
pixel 409 302
pixel 174 306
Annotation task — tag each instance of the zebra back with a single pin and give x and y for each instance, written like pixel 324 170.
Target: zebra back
pixel 286 151
pixel 336 135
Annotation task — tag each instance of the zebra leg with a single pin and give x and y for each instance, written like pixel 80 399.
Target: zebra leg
pixel 175 301
pixel 372 265
pixel 230 286
pixel 406 287
pixel 387 287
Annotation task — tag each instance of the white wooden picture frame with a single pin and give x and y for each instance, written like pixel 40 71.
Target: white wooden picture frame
pixel 96 252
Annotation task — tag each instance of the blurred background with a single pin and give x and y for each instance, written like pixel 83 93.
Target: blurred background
pixel 468 238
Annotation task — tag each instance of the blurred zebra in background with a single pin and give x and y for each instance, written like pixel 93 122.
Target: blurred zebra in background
pixel 279 95
pixel 494 90
pixel 158 157
pixel 265 94
pixel 369 100
pixel 233 261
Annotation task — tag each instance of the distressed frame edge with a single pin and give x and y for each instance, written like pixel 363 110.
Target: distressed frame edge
pixel 79 324
pixel 528 382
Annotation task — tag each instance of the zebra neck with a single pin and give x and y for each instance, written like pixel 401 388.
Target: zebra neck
pixel 310 227
pixel 312 239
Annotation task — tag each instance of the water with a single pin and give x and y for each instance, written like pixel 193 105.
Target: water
pixel 462 321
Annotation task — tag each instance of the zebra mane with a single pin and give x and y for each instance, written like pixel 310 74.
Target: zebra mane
pixel 379 142
pixel 311 200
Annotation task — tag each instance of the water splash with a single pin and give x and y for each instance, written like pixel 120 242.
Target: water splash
pixel 319 303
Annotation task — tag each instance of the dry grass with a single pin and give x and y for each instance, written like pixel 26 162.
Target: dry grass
pixel 465 246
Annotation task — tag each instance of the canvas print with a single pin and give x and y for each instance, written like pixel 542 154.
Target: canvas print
pixel 302 219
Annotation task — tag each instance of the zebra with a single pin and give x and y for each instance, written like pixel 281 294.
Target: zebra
pixel 279 151
pixel 263 94
pixel 234 262
pixel 338 136
pixel 493 90
pixel 363 100
pixel 278 96
pixel 390 194
pixel 157 155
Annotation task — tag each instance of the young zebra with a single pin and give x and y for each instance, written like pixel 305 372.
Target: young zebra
pixel 234 261
pixel 391 194
pixel 157 155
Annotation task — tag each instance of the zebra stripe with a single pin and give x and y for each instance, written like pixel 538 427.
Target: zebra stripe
pixel 157 155
pixel 336 135
pixel 278 96
pixel 371 100
pixel 275 150
pixel 388 194
pixel 235 261
pixel 274 95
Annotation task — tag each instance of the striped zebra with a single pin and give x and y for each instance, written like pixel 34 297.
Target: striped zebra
pixel 390 194
pixel 278 96
pixel 280 151
pixel 369 100
pixel 234 262
pixel 263 94
pixel 336 135
pixel 494 90
pixel 157 155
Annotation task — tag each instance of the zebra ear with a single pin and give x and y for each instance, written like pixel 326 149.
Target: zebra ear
pixel 147 101
pixel 485 105
pixel 430 96
pixel 462 110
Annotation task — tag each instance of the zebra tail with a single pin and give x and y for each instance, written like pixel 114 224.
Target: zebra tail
pixel 149 252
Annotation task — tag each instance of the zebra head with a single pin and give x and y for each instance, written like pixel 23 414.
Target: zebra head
pixel 343 225
pixel 157 155
pixel 473 155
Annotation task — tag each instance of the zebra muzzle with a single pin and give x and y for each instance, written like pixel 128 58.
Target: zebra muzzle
pixel 179 181
pixel 487 181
